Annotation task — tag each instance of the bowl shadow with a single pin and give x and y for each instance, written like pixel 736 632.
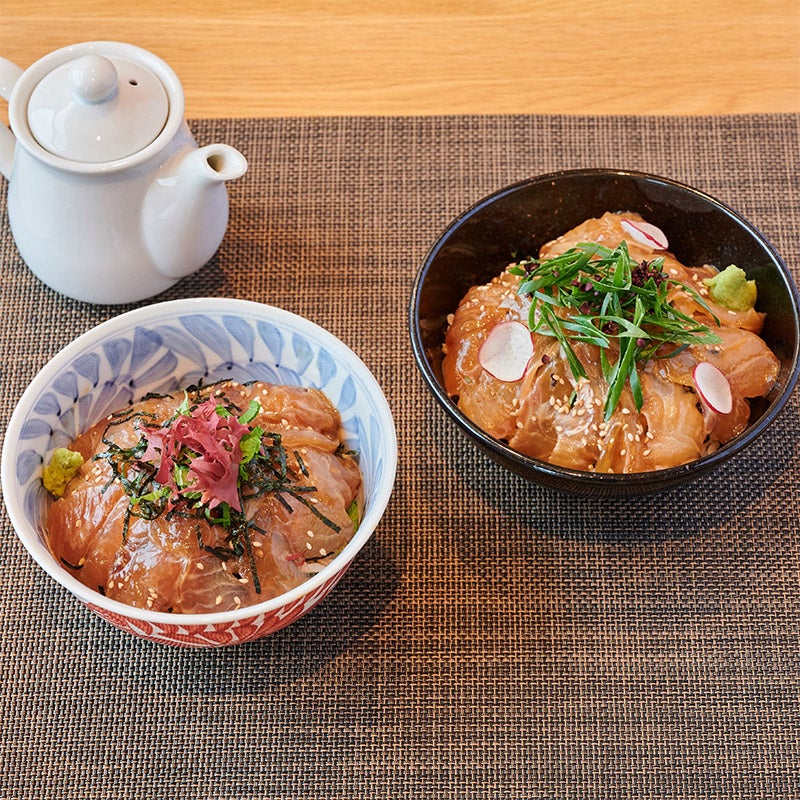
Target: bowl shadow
pixel 703 503
pixel 291 654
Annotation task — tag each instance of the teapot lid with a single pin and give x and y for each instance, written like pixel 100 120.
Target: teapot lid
pixel 96 108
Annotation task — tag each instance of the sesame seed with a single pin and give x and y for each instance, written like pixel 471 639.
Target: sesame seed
pixel 323 551
pixel 200 565
pixel 310 533
pixel 308 545
pixel 218 600
pixel 237 600
pixel 646 452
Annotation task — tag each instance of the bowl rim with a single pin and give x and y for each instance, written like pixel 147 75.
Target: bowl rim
pixel 528 464
pixel 149 314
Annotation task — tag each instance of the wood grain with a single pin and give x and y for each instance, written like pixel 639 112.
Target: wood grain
pixel 297 58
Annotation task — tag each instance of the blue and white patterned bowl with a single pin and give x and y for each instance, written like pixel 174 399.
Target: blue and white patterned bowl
pixel 166 346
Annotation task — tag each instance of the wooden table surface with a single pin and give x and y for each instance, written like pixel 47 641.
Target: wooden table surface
pixel 253 58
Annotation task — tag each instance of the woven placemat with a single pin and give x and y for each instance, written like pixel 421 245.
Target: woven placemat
pixel 494 639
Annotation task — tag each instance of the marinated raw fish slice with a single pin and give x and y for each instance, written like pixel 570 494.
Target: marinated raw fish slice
pixel 556 412
pixel 744 358
pixel 152 562
pixel 162 568
pixel 618 453
pixel 751 369
pixel 216 587
pixel 173 574
pixel 157 564
pixel 575 445
pixel 490 403
pixel 674 429
pixel 606 230
pixel 746 361
pixel 535 413
pixel 295 407
pixel 302 525
pixel 84 531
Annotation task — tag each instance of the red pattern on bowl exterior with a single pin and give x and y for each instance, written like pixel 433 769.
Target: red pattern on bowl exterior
pixel 237 631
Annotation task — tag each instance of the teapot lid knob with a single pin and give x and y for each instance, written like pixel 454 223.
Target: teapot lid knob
pixel 94 79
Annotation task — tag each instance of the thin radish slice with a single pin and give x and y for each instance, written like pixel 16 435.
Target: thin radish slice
pixel 645 233
pixel 507 351
pixel 713 387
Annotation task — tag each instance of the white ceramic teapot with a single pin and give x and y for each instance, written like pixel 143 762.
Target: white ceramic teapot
pixel 110 200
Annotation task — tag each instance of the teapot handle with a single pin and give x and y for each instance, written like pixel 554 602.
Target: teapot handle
pixel 9 75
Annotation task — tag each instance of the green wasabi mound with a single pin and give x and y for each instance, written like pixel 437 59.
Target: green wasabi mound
pixel 730 288
pixel 63 467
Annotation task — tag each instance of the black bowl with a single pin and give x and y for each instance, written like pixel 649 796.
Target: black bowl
pixel 520 218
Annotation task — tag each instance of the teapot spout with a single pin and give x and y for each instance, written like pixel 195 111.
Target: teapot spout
pixel 185 211
pixel 218 162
